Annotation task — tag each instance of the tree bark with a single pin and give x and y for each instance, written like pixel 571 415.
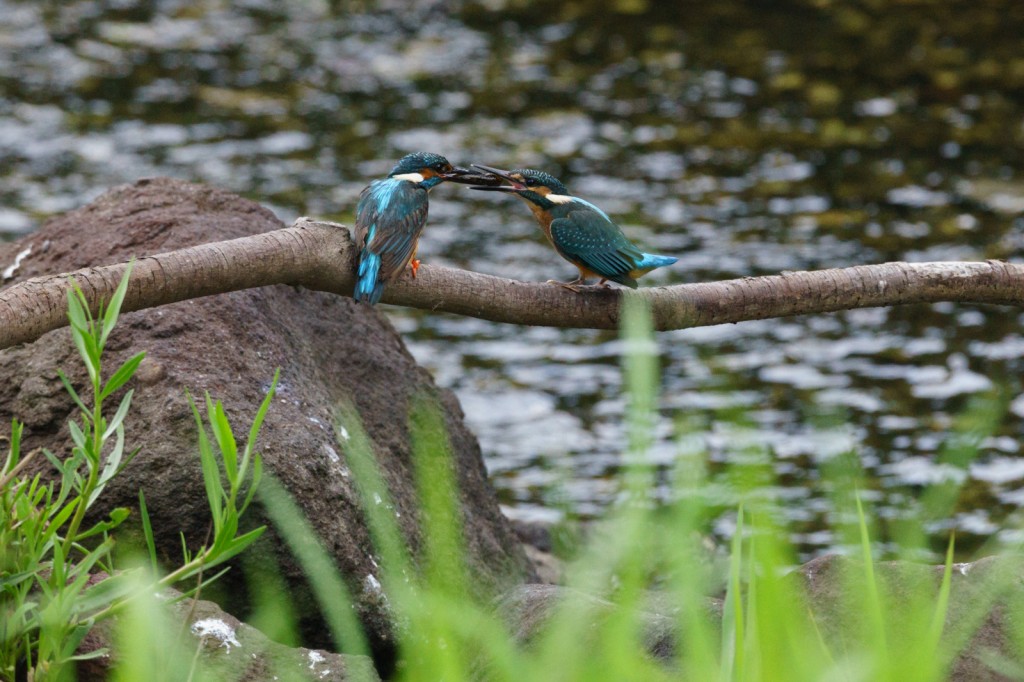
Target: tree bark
pixel 321 256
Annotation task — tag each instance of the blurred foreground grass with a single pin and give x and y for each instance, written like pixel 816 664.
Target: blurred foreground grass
pixel 740 616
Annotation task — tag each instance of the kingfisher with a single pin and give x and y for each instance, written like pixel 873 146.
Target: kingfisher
pixel 581 233
pixel 390 218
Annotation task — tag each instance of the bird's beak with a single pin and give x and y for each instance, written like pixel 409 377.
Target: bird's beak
pixel 494 177
pixel 467 177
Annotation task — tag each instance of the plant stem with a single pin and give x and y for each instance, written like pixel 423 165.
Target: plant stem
pixel 92 462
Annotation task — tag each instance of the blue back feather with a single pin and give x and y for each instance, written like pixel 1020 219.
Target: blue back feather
pixel 389 218
pixel 584 202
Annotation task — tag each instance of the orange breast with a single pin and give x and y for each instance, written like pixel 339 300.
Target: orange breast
pixel 544 218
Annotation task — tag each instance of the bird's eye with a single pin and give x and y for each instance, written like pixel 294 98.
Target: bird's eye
pixel 439 166
pixel 530 182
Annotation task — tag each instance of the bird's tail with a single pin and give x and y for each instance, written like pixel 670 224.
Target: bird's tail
pixel 651 261
pixel 369 288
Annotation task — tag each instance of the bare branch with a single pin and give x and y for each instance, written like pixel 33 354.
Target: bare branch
pixel 320 256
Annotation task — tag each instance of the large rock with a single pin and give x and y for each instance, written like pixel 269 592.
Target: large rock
pixel 981 619
pixel 330 350
pixel 976 619
pixel 225 649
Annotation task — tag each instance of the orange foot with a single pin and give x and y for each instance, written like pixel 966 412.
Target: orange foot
pixel 415 267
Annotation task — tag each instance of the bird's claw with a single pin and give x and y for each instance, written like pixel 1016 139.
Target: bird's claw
pixel 571 286
pixel 415 265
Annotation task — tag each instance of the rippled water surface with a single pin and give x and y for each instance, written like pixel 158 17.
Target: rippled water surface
pixel 743 138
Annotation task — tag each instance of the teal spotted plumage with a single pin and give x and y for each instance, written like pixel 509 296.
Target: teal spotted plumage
pixel 581 233
pixel 390 217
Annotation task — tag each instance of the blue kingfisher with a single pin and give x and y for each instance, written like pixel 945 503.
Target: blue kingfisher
pixel 581 233
pixel 390 218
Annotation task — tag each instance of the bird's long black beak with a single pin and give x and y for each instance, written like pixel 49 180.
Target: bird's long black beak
pixel 495 176
pixel 467 177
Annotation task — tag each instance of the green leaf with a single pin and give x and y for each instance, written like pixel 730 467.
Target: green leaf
pixel 250 443
pixel 82 342
pixel 105 592
pixel 122 375
pixel 89 656
pixel 83 332
pixel 122 412
pixel 77 315
pixel 257 476
pixel 113 463
pixel 14 448
pixel 111 467
pixel 21 616
pixel 261 413
pixel 117 517
pixel 72 392
pixel 82 570
pixel 77 436
pixel 211 473
pixel 114 306
pixel 71 641
pixel 207 581
pixel 16 578
pixel 57 574
pixel 66 486
pixel 225 439
pixel 236 546
pixel 58 521
pixel 184 548
pixel 56 461
pixel 227 531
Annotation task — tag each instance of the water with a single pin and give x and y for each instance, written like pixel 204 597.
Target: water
pixel 745 139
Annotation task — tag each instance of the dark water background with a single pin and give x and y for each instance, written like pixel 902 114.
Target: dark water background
pixel 747 138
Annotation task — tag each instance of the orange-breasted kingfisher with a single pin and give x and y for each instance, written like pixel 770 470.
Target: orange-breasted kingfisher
pixel 581 233
pixel 390 218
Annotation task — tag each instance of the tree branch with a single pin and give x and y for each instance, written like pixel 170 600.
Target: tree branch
pixel 321 256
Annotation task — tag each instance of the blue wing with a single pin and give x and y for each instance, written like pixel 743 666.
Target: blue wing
pixel 389 219
pixel 588 239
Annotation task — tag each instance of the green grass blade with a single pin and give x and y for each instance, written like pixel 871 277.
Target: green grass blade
pixel 733 639
pixel 874 606
pixel 331 591
pixel 938 622
pixel 374 495
pixel 147 531
pixel 438 498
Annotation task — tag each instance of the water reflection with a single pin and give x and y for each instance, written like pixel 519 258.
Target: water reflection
pixel 746 139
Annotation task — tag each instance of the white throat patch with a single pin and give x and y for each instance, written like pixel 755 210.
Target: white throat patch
pixel 559 198
pixel 411 177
